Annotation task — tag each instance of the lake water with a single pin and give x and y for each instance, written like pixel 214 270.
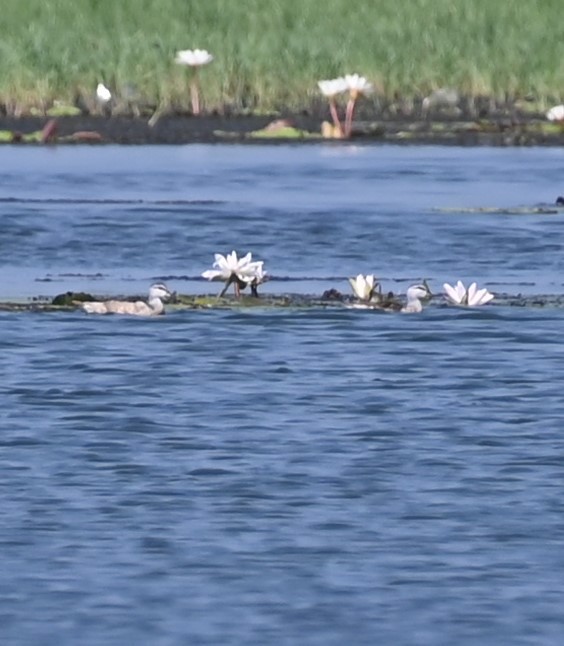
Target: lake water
pixel 278 476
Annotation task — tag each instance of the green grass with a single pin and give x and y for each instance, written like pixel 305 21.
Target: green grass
pixel 269 54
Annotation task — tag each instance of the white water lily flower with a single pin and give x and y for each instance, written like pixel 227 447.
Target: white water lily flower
pixel 229 265
pixel 239 271
pixel 471 297
pixel 193 57
pixel 260 277
pixel 363 286
pixel 556 113
pixel 332 87
pixel 255 273
pixel 456 294
pixel 357 84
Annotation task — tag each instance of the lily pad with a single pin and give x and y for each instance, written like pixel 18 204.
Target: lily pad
pixel 288 132
pixel 62 110
pixel 33 137
pixel 10 137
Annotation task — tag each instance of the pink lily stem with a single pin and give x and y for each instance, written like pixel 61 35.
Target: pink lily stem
pixel 195 93
pixel 349 116
pixel 334 114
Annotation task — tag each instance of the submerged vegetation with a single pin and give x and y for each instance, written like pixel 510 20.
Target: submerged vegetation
pixel 270 55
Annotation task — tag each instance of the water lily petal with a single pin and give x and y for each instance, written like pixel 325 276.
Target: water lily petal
pixel 363 286
pixel 452 294
pixel 257 277
pixel 461 291
pixel 482 297
pixel 332 87
pixel 358 286
pixel 213 274
pixel 471 294
pixel 245 260
pixel 475 298
pixel 248 271
pixel 220 261
pixel 232 261
pixel 357 83
pixel 488 296
pixel 193 57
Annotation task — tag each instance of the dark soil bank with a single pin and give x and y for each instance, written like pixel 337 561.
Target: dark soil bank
pixel 497 130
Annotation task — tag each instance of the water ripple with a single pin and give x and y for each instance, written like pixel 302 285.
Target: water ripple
pixel 311 476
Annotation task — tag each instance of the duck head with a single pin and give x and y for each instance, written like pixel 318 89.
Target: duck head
pixel 419 292
pixel 160 291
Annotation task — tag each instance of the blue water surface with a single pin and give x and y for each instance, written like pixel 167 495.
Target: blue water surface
pixel 318 476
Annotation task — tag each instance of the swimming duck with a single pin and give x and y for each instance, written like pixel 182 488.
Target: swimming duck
pixel 158 292
pixel 415 294
pixel 391 303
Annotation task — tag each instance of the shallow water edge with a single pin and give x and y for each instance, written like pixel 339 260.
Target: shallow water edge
pixel 499 130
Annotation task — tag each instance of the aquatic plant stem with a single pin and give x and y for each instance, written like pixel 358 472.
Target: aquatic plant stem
pixel 349 116
pixel 236 286
pixel 335 114
pixel 195 92
pixel 225 287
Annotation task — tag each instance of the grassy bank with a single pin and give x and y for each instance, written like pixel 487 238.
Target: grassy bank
pixel 270 53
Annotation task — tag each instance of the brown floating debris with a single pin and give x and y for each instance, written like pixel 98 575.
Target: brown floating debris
pixel 87 136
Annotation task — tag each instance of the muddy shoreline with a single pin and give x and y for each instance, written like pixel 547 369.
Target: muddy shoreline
pixel 494 130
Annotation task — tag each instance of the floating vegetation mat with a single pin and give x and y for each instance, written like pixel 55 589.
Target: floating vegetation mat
pixel 71 301
pixel 494 210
